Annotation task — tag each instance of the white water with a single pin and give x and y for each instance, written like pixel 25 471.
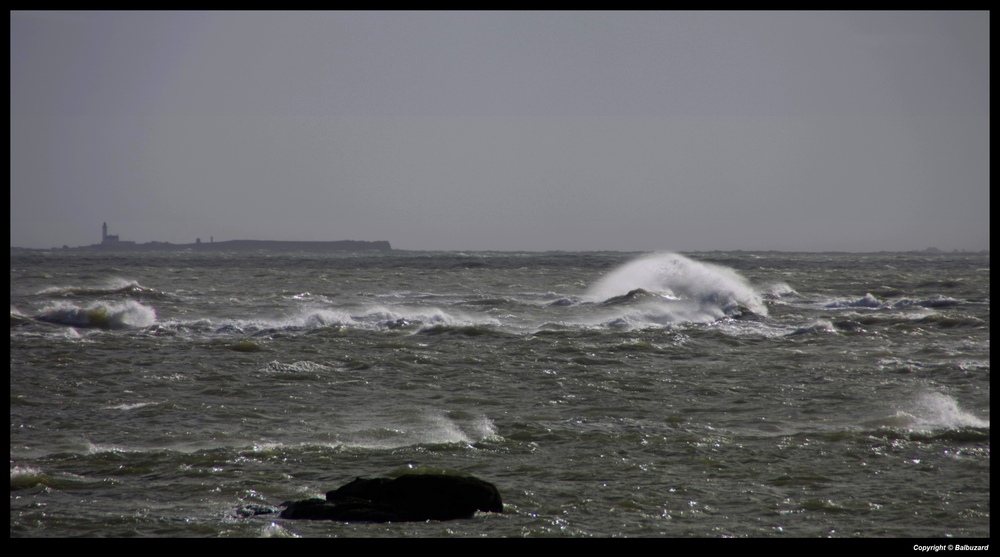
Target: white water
pixel 688 291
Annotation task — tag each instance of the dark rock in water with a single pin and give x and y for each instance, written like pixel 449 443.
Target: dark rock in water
pixel 632 295
pixel 741 311
pixel 414 497
pixel 396 324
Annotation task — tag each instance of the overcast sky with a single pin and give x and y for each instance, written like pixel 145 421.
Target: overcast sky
pixel 633 131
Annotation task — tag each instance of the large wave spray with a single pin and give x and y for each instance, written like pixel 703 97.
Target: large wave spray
pixel 103 315
pixel 932 411
pixel 696 291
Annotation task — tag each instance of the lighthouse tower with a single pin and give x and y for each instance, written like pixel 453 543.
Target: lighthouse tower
pixel 108 239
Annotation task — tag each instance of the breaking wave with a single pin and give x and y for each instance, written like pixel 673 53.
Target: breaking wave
pixel 102 315
pixel 935 411
pixel 668 287
pixel 427 428
pixel 870 301
pixel 371 318
pixel 112 288
pixel 24 477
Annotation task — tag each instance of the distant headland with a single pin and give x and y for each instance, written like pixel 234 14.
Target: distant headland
pixel 111 242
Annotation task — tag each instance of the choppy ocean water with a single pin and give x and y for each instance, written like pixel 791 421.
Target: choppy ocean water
pixel 605 394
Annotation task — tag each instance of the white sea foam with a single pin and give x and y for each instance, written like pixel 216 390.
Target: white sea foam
pixel 818 326
pixel 683 290
pixel 935 411
pixel 300 366
pixel 24 477
pixel 778 290
pixel 425 428
pixel 94 448
pixel 483 429
pixel 105 315
pixel 110 286
pixel 372 318
pixel 24 471
pixel 129 406
pixel 866 301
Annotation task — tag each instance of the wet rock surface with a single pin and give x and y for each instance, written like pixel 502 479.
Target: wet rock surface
pixel 415 497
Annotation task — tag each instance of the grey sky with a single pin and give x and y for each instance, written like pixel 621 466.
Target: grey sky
pixel 504 131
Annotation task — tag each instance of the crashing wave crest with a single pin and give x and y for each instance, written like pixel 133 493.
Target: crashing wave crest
pixel 102 315
pixel 674 288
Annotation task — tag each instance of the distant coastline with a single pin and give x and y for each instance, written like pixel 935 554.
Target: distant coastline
pixel 112 242
pixel 238 245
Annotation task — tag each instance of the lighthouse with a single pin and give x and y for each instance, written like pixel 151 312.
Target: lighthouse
pixel 108 239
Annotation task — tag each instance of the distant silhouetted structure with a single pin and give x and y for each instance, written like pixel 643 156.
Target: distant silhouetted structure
pixel 107 240
pixel 110 240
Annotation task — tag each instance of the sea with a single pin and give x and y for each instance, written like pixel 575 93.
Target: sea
pixel 605 394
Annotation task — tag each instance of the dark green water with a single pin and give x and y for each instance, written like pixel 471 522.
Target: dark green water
pixel 605 394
